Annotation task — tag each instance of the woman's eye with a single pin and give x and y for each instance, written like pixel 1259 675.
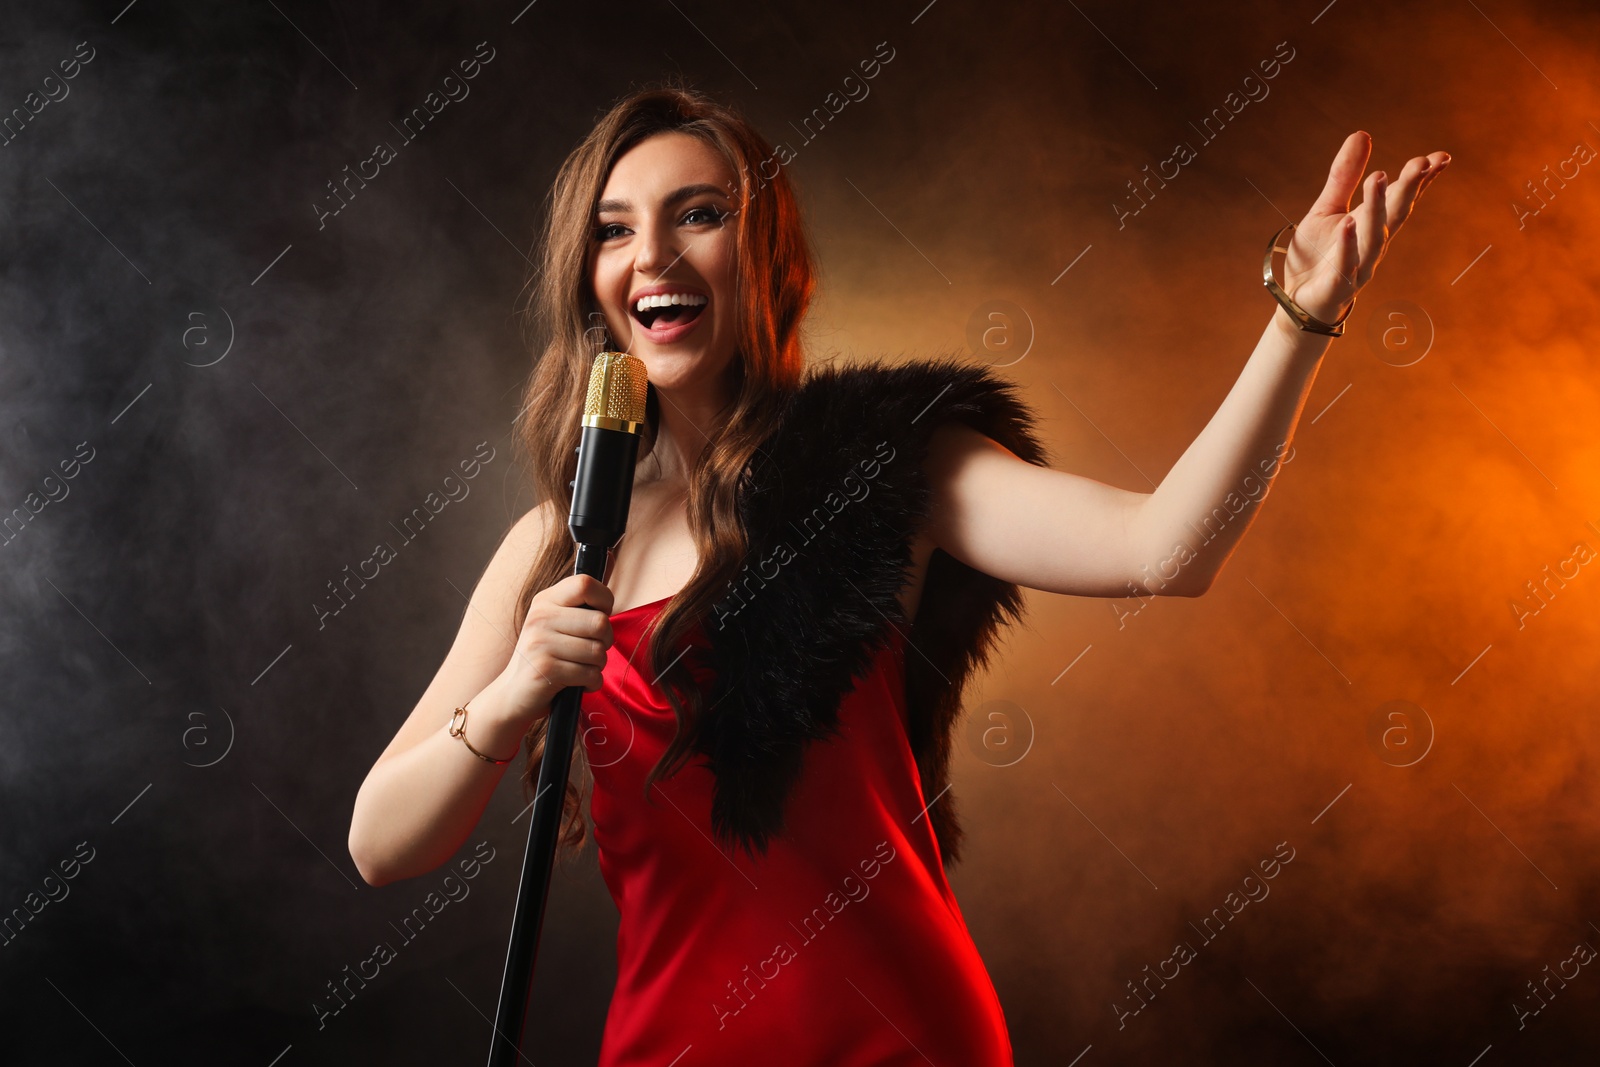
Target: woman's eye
pixel 704 214
pixel 604 232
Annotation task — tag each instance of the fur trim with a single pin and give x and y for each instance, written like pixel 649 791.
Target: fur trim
pixel 832 503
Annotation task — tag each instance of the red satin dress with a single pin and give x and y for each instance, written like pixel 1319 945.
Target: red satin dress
pixel 843 946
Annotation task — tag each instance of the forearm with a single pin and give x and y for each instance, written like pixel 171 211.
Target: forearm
pixel 1189 526
pixel 417 807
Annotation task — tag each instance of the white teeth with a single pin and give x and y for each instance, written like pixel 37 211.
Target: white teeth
pixel 687 299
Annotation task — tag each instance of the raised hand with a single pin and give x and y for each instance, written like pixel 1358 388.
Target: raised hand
pixel 1334 250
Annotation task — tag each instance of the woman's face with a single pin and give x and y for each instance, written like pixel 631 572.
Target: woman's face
pixel 663 230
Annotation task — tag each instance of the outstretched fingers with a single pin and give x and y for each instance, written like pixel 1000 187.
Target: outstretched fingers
pixel 1344 175
pixel 1415 178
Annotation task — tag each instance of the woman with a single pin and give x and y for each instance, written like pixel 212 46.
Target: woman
pixel 813 567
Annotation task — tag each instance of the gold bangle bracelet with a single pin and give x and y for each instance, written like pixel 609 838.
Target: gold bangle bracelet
pixel 458 728
pixel 1302 318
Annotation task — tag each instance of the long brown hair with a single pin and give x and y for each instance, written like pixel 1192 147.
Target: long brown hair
pixel 774 284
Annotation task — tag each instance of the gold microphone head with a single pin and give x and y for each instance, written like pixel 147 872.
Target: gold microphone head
pixel 616 396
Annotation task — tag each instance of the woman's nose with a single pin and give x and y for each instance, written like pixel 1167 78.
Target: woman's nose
pixel 657 251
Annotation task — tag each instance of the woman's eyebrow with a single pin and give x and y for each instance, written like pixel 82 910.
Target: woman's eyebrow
pixel 675 197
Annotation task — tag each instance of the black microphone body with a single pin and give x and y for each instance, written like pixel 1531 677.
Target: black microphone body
pixel 603 488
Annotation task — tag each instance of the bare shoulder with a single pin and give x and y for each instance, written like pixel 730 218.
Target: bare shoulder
pixel 487 635
pixel 495 597
pixel 945 449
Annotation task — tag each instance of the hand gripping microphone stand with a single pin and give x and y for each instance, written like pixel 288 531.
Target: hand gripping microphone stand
pixel 613 418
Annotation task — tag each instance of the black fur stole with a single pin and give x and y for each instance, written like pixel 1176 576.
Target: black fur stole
pixel 832 503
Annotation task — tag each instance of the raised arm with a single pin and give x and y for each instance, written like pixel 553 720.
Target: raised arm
pixel 1063 533
pixel 426 792
pixel 428 789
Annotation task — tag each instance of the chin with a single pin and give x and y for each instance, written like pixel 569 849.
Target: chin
pixel 668 370
pixel 675 365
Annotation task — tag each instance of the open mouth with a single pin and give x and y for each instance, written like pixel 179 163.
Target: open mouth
pixel 667 312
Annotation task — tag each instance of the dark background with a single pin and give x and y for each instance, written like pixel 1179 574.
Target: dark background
pixel 264 398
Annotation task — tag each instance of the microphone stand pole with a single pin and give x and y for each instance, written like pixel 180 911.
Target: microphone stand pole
pixel 613 419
